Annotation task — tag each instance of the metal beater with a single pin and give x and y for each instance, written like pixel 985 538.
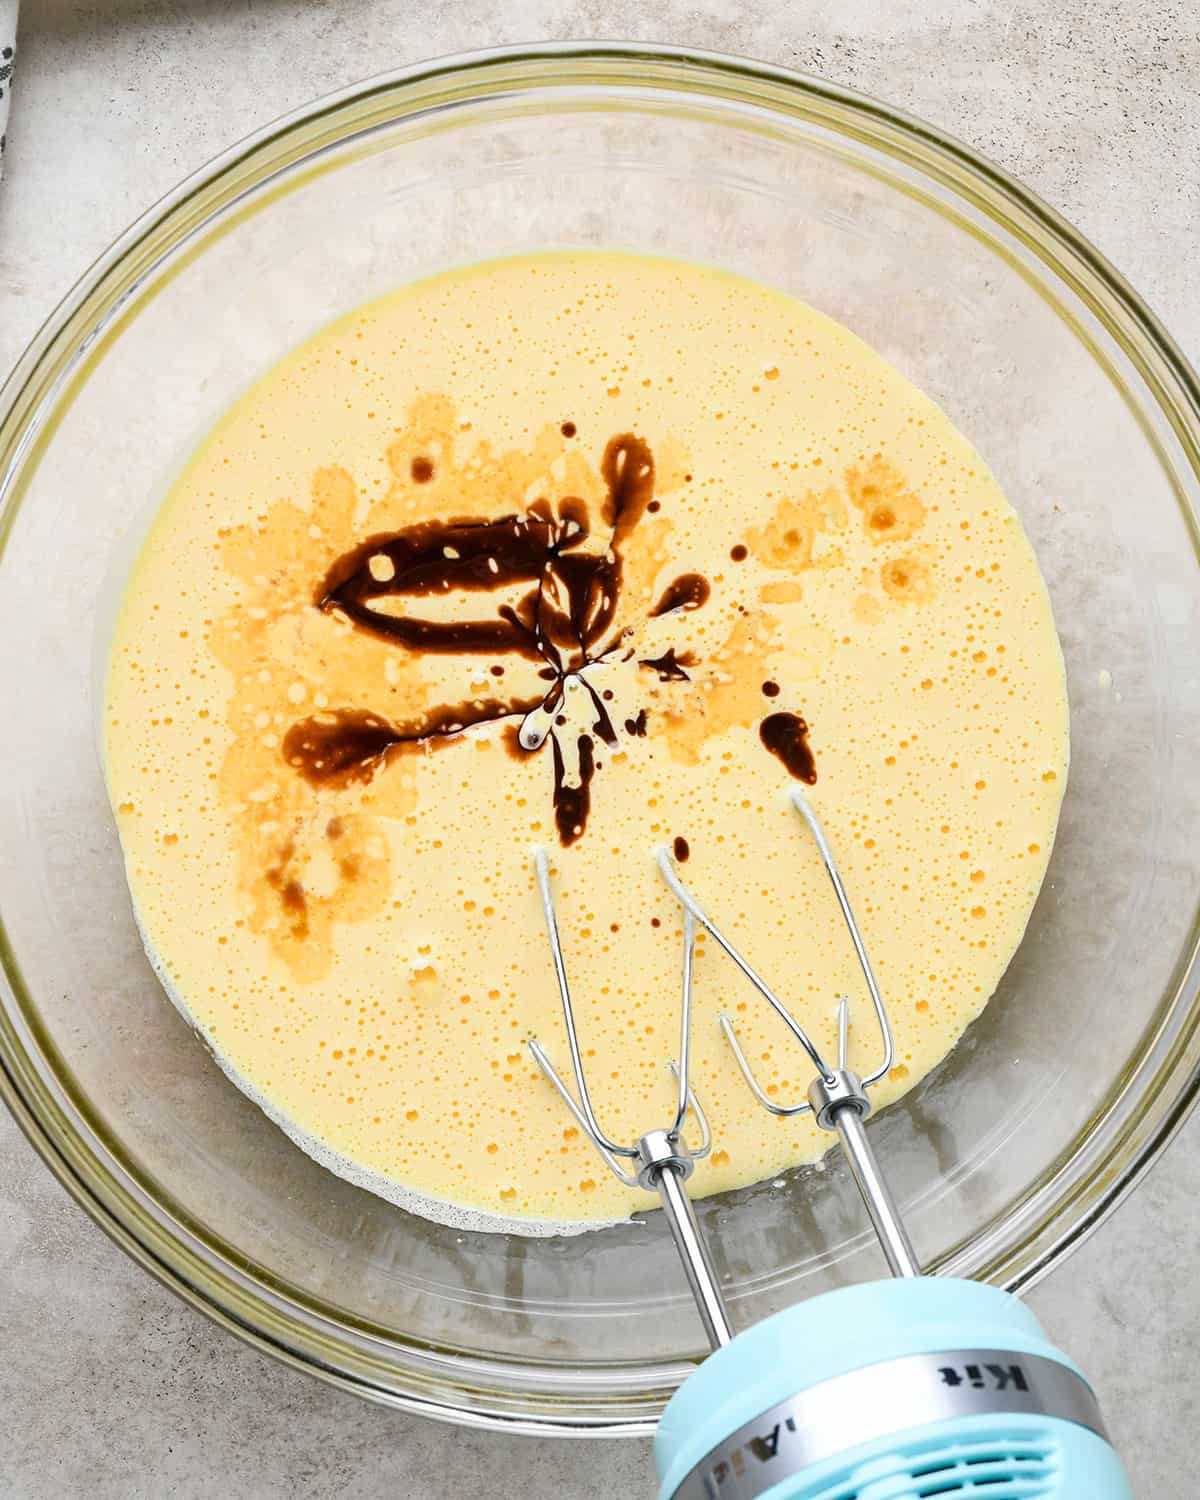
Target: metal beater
pixel 883 1391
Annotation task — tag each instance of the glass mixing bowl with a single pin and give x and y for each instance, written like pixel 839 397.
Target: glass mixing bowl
pixel 1085 1061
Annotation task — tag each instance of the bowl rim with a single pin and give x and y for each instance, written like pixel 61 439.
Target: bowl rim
pixel 62 352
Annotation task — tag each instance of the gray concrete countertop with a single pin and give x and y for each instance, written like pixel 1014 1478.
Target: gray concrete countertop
pixel 110 1388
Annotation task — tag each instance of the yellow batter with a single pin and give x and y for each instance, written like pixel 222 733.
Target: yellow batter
pixel 719 509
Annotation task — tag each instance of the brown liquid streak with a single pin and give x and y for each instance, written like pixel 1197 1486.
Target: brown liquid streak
pixel 688 591
pixel 670 668
pixel 786 737
pixel 603 726
pixel 350 744
pixel 572 803
pixel 569 607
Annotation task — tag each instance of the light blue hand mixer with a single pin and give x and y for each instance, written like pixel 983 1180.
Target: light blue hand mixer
pixel 900 1389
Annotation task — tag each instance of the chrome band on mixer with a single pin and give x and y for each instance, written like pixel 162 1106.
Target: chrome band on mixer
pixel 895 1396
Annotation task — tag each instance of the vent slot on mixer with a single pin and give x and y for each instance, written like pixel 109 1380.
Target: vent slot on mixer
pixel 1013 1466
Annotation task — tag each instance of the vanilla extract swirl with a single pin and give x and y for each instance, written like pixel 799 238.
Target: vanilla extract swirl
pixel 564 620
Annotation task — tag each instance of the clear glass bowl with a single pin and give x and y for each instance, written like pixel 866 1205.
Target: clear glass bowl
pixel 1077 1072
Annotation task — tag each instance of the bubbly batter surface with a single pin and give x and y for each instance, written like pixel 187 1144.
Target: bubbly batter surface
pixel 598 553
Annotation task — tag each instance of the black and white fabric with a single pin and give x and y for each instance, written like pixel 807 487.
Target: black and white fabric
pixel 8 54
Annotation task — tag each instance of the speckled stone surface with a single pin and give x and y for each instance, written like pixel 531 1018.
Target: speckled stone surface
pixel 111 1389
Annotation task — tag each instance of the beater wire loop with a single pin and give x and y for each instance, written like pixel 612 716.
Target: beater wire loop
pixel 580 1104
pixel 802 805
pixel 670 874
pixel 661 1161
pixel 687 900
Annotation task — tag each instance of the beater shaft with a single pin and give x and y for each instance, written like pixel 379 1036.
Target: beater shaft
pixel 837 1097
pixel 876 1195
pixel 659 1161
pixel 840 1103
pixel 693 1252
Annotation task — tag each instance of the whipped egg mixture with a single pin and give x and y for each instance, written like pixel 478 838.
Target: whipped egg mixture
pixel 598 554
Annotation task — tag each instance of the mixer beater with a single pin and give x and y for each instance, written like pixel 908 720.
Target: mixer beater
pixel 895 1390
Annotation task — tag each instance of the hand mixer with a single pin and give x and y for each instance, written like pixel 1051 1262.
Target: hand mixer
pixel 899 1389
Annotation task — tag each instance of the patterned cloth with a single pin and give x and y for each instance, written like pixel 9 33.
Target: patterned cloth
pixel 8 52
